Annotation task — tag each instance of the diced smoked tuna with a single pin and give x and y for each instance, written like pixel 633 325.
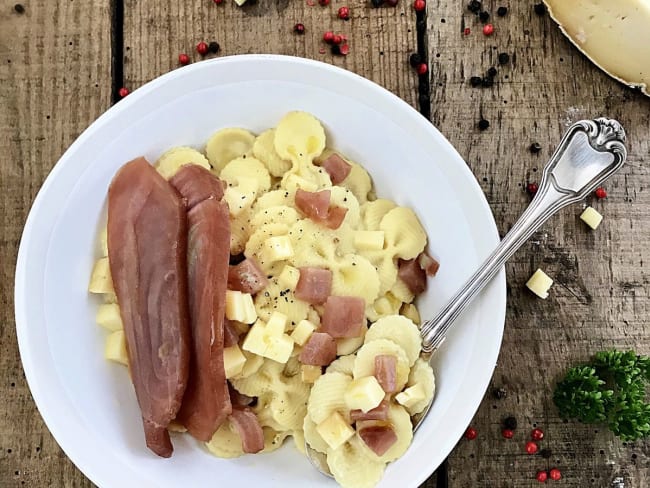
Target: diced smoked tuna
pixel 378 438
pixel 344 316
pixel 320 350
pixel 386 372
pixel 314 285
pixel 247 277
pixel 412 275
pixel 337 168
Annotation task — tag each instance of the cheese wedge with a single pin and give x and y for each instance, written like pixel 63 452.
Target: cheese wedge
pixel 614 34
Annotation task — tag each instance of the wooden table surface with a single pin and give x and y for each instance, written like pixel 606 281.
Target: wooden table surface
pixel 62 62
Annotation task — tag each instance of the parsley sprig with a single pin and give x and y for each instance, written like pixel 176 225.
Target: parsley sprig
pixel 610 389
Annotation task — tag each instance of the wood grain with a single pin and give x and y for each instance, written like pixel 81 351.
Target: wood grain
pixel 601 295
pixel 155 33
pixel 55 78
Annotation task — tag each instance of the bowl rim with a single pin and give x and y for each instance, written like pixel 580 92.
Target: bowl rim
pixel 21 303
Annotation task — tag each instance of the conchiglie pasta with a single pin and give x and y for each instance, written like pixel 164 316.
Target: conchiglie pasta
pixel 404 234
pixel 352 467
pixel 373 212
pixel 273 198
pixel 265 380
pixel 354 275
pixel 384 306
pixel 349 345
pixel 401 330
pixel 172 160
pixel 299 136
pixel 422 374
pixel 247 169
pixel 312 437
pixel 402 292
pixel 344 364
pixel 226 145
pixel 282 214
pixel 327 396
pixel 239 231
pixel 264 150
pixel 226 442
pixel 358 182
pixel 275 298
pixel 342 197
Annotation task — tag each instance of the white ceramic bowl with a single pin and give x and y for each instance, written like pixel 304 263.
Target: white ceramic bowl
pixel 89 404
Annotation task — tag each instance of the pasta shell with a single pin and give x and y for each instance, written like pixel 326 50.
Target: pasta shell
pixel 226 145
pixel 171 161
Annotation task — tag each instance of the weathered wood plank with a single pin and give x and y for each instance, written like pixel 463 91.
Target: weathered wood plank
pixel 156 33
pixel 601 296
pixel 55 78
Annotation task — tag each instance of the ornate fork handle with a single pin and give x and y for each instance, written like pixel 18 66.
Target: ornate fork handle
pixel 589 153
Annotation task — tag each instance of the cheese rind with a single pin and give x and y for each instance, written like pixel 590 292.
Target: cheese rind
pixel 613 34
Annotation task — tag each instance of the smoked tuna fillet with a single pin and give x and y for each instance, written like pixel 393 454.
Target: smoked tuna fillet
pixel 147 249
pixel 206 403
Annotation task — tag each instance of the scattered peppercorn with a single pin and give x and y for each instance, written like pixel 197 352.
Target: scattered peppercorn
pixel 467 31
pixel 419 5
pixel 483 124
pixel 555 474
pixel 540 8
pixel 392 3
pixel 218 2
pixel 337 39
pixel 470 434
pixel 344 13
pixel 335 49
pixel 488 29
pixel 122 92
pixel 202 48
pixel 214 47
pixel 377 3
pixel 487 82
pixel 499 393
pixel 324 3
pixel 537 434
pixel 502 11
pixel 535 147
pixel 510 423
pixel 19 8
pixel 414 60
pixel 492 72
pixel 422 68
pixel 299 28
pixel 504 58
pixel 532 188
pixel 345 49
pixel 484 16
pixel 474 6
pixel 531 447
pixel 475 81
pixel 508 433
pixel 328 37
pixel 183 59
pixel 546 453
pixel 541 476
pixel 600 193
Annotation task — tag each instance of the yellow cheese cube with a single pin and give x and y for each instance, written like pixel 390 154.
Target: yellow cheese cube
pixel 363 394
pixel 591 217
pixel 240 307
pixel 410 311
pixel 539 283
pixel 100 280
pixel 369 240
pixel 115 348
pixel 411 395
pixel 309 373
pixel 289 277
pixel 233 361
pixel 276 324
pixel 278 348
pixel 335 430
pixel 276 248
pixel 108 316
pixel 103 241
pixel 255 340
pixel 303 332
pixel 262 342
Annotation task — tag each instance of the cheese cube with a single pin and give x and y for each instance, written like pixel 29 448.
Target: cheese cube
pixel 240 307
pixel 410 311
pixel 411 395
pixel 309 373
pixel 276 248
pixel 591 217
pixel 276 324
pixel 242 196
pixel 263 342
pixel 115 348
pixel 539 283
pixel 335 430
pixel 289 277
pixel 233 361
pixel 369 240
pixel 101 280
pixel 363 394
pixel 303 332
pixel 108 316
pixel 103 241
pixel 240 2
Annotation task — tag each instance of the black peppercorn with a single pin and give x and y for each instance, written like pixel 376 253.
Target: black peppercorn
pixel 492 72
pixel 535 147
pixel 377 3
pixel 504 58
pixel 475 81
pixel 19 8
pixel 474 6
pixel 214 47
pixel 415 60
pixel 483 124
pixel 510 423
pixel 502 11
pixel 484 16
pixel 487 82
pixel 540 8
